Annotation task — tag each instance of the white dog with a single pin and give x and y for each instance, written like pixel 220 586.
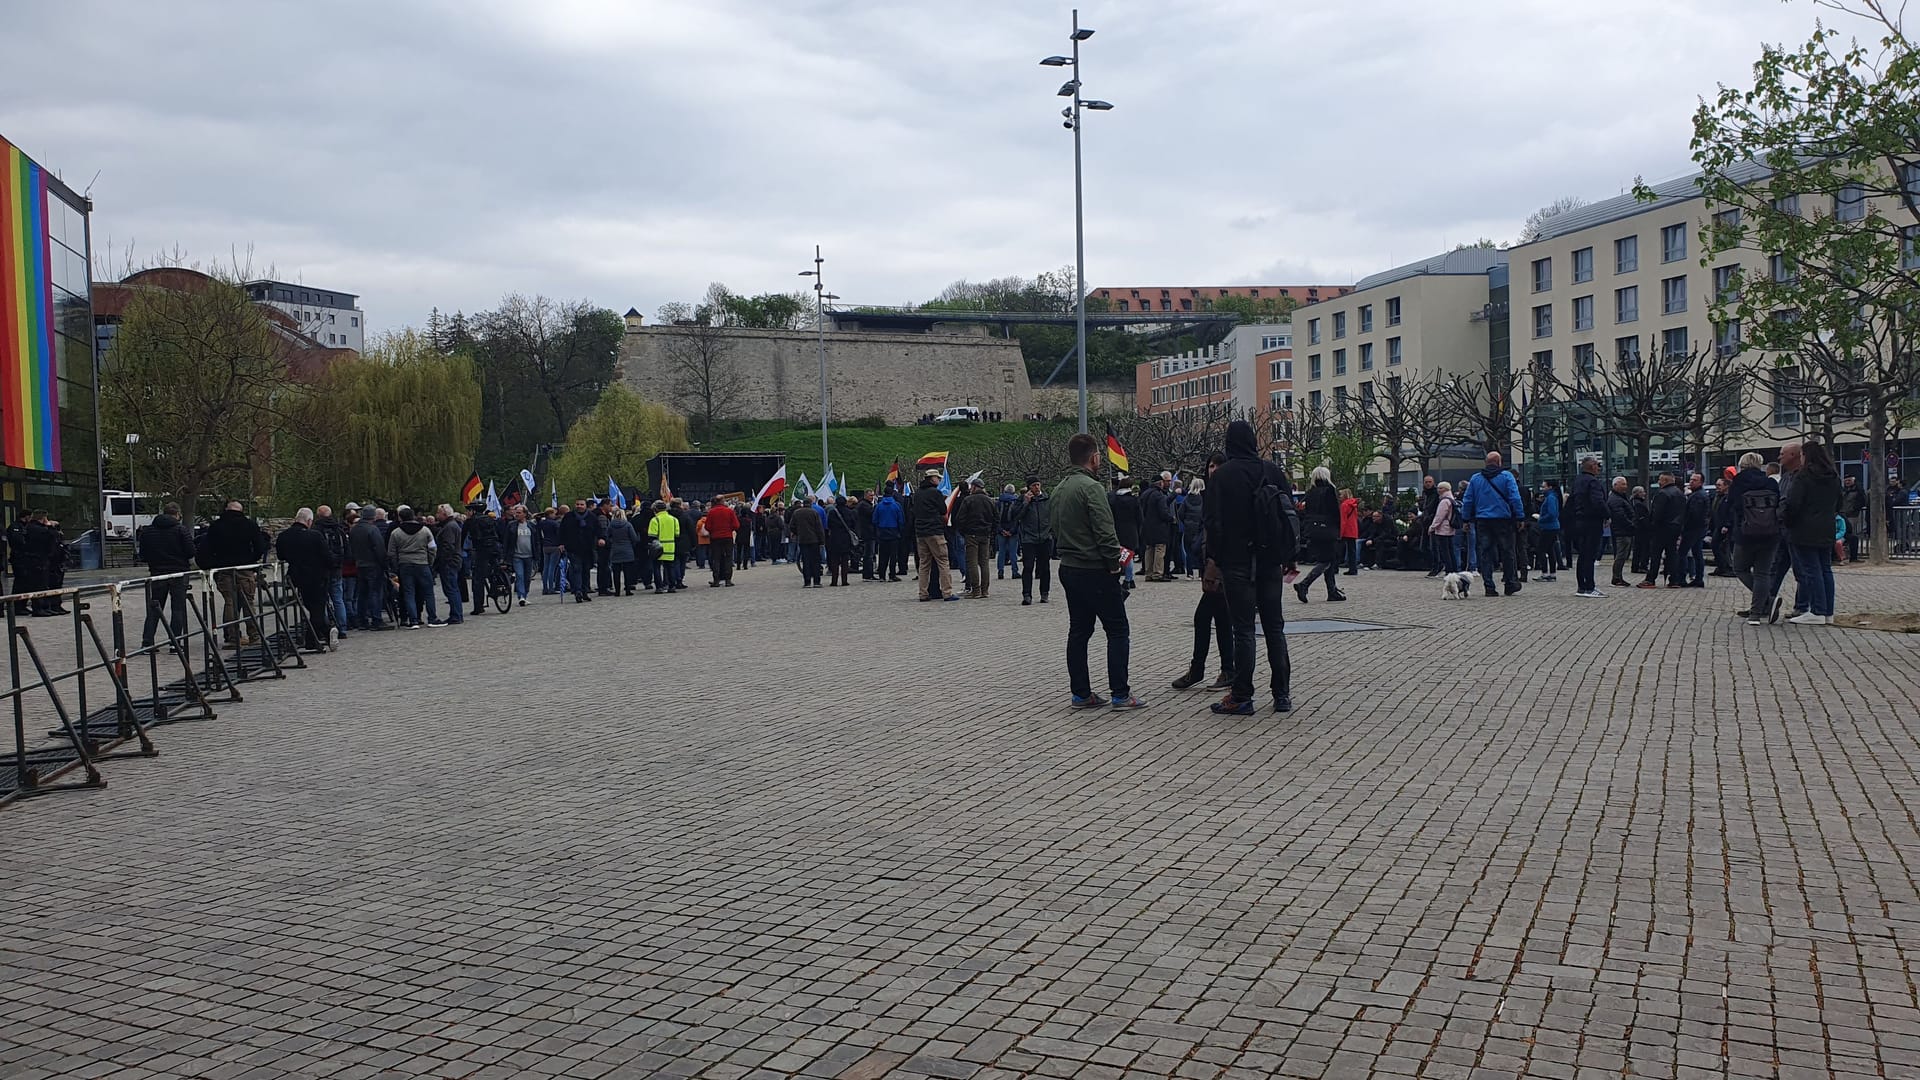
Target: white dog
pixel 1459 586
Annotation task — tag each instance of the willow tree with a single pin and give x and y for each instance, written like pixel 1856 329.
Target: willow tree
pixel 1816 168
pixel 398 423
pixel 614 441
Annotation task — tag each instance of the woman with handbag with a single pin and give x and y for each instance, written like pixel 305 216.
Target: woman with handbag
pixel 1321 526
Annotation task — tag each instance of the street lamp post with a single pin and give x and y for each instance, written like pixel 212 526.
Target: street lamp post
pixel 1072 114
pixel 820 298
pixel 133 490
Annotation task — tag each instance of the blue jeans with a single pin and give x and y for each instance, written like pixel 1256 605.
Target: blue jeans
pixel 1693 557
pixel 1009 554
pixel 1096 595
pixel 416 585
pixel 1813 569
pixel 337 596
pixel 450 586
pixel 522 576
pixel 372 584
pixel 550 571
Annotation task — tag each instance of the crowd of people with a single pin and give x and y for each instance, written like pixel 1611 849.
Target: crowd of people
pixel 1241 529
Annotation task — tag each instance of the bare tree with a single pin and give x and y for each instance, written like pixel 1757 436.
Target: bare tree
pixel 1480 407
pixel 1537 221
pixel 1404 419
pixel 705 382
pixel 1638 399
pixel 1432 426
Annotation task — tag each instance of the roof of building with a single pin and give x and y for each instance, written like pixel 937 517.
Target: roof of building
pixel 270 283
pixel 1216 290
pixel 632 312
pixel 1459 261
pixel 1667 193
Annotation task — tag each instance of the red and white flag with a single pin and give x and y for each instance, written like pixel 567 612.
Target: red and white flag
pixel 775 485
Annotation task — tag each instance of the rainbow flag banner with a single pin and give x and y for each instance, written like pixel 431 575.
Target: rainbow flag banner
pixel 29 403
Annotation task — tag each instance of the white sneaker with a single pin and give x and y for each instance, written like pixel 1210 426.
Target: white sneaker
pixel 1756 622
pixel 333 639
pixel 1594 594
pixel 1809 619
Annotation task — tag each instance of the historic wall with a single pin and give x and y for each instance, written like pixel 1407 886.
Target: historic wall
pixel 897 377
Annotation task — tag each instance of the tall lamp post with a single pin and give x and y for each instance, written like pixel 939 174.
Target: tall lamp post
pixel 1072 114
pixel 133 491
pixel 820 298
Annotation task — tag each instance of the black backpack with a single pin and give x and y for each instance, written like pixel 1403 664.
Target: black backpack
pixel 1275 534
pixel 1760 515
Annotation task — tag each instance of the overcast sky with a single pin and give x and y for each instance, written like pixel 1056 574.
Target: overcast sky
pixel 445 152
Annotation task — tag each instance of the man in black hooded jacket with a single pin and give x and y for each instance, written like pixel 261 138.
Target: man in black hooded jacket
pixel 1254 581
pixel 167 550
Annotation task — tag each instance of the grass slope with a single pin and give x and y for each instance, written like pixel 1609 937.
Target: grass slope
pixel 863 454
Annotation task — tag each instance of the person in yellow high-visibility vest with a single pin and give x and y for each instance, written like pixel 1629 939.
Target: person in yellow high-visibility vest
pixel 664 531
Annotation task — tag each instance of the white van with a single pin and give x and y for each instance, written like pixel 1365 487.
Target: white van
pixel 959 414
pixel 122 518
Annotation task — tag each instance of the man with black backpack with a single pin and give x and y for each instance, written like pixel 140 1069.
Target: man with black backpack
pixel 1253 533
pixel 1754 498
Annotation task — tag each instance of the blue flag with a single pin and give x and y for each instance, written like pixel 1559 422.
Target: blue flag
pixel 613 492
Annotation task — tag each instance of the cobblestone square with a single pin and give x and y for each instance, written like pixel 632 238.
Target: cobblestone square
pixel 767 832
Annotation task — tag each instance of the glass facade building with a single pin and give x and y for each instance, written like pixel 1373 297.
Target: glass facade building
pixel 49 421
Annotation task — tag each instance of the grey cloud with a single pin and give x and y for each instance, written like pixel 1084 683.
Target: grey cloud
pixel 445 153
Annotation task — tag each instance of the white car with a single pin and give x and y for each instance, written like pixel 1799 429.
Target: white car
pixel 959 414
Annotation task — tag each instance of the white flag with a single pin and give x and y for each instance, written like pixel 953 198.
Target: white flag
pixel 493 501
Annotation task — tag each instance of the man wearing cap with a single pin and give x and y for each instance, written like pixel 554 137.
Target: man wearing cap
pixel 1033 528
pixel 930 538
pixel 889 518
pixel 975 518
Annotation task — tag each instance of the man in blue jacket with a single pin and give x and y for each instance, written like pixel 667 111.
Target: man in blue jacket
pixel 888 516
pixel 1494 507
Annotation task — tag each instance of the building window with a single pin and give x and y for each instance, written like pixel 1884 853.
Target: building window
pixel 1393 351
pixel 1788 205
pixel 1542 275
pixel 1314 399
pixel 1543 361
pixel 1280 370
pixel 329 339
pixel 1726 337
pixel 1366 356
pixel 1626 353
pixel 1673 343
pixel 1313 367
pixel 1166 305
pixel 1786 411
pixel 1366 395
pixel 1726 229
pixel 1850 204
pixel 1313 331
pixel 1280 400
pixel 1910 254
pixel 1673 243
pixel 1626 255
pixel 1339 325
pixel 1339 362
pixel 1626 304
pixel 1393 311
pixel 1340 398
pixel 1583 313
pixel 1583 265
pixel 1583 359
pixel 1781 269
pixel 1366 318
pixel 1121 304
pixel 1910 180
pixel 1673 295
pixel 1543 321
pixel 1186 305
pixel 1726 284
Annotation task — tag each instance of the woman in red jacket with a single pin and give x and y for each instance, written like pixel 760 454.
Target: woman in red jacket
pixel 1350 529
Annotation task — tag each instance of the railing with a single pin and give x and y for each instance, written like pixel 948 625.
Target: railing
pixel 1905 539
pixel 107 699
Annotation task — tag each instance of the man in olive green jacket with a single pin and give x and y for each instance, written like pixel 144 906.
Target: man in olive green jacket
pixel 1090 566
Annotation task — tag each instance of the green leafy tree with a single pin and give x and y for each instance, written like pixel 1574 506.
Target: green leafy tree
pixel 1252 310
pixel 400 423
pixel 204 379
pixel 1820 161
pixel 616 439
pixel 1348 453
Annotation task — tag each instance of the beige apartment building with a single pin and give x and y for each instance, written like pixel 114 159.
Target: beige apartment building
pixel 1445 315
pixel 1626 279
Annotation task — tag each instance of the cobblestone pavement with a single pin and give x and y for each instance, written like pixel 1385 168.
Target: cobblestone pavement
pixel 764 832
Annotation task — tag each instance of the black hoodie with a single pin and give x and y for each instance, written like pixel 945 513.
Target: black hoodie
pixel 1229 501
pixel 166 547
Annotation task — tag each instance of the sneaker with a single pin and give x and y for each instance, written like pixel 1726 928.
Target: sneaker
pixel 1774 615
pixel 1188 679
pixel 409 626
pixel 1227 706
pixel 435 624
pixel 1223 682
pixel 1590 594
pixel 1026 601
pixel 1128 702
pixel 1809 619
pixel 952 597
pixel 333 638
pixel 1547 577
pixel 1743 613
pixel 523 601
pixel 1337 598
pixel 1491 591
pixel 1300 590
pixel 1043 598
pixel 1755 622
pixel 1284 703
pixel 1091 701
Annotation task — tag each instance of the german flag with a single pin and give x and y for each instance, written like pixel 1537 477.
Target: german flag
pixel 1116 453
pixel 893 475
pixel 472 490
pixel 935 460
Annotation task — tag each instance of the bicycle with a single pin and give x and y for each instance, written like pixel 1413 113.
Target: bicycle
pixel 500 587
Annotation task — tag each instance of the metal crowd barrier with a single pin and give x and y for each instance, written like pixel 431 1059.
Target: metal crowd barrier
pixel 1905 538
pixel 243 624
